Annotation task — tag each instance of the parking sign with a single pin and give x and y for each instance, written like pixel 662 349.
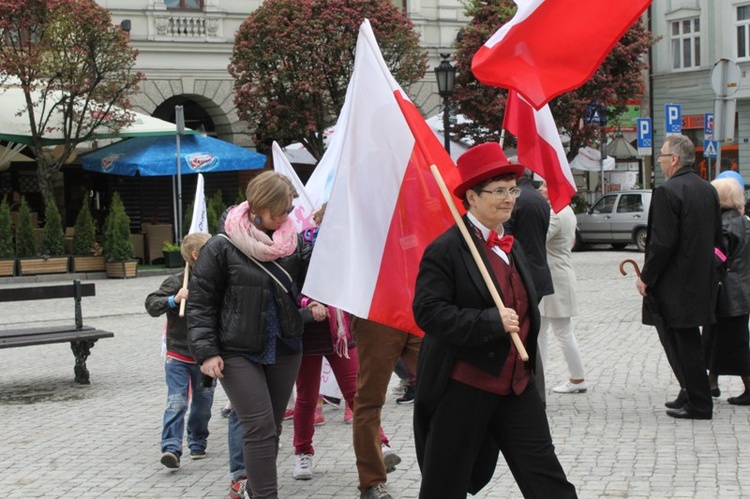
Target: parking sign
pixel 673 116
pixel 708 126
pixel 645 137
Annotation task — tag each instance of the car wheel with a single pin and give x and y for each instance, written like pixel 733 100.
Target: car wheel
pixel 640 239
pixel 619 246
pixel 577 244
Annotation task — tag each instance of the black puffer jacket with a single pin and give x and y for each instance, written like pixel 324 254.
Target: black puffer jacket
pixel 734 293
pixel 229 297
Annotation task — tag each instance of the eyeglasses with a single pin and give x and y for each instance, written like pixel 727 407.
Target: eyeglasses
pixel 502 192
pixel 663 155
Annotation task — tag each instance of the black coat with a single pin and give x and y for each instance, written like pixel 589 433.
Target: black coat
pixel 157 303
pixel 460 320
pixel 529 224
pixel 734 293
pixel 229 296
pixel 680 269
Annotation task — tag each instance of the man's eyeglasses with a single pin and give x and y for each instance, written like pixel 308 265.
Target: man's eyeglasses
pixel 666 155
pixel 502 192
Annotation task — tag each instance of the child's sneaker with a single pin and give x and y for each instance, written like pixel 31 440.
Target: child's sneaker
pixel 348 415
pixel 196 454
pixel 390 458
pixel 288 414
pixel 237 488
pixel 303 467
pixel 171 460
pixel 320 420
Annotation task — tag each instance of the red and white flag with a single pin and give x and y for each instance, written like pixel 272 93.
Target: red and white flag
pixel 552 46
pixel 540 148
pixel 385 206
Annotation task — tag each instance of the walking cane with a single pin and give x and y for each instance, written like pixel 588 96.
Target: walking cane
pixel 633 263
pixel 477 259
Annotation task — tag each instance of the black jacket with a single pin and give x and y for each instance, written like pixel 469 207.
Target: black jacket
pixel 684 227
pixel 229 297
pixel 460 320
pixel 157 303
pixel 734 293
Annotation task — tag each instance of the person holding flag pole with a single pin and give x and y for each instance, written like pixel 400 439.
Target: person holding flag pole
pixel 481 398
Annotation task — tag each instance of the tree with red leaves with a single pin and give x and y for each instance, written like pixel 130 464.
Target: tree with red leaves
pixel 617 80
pixel 293 59
pixel 76 72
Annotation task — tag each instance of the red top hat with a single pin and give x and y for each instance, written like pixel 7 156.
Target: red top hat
pixel 482 162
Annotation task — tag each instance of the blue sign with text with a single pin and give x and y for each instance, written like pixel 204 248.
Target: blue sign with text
pixel 673 116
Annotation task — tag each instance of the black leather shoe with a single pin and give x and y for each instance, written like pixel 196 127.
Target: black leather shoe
pixel 687 413
pixel 743 399
pixel 678 402
pixel 715 392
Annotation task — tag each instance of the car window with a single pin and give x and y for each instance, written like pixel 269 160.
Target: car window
pixel 630 203
pixel 604 205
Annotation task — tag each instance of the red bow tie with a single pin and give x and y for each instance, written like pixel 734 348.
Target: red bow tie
pixel 505 243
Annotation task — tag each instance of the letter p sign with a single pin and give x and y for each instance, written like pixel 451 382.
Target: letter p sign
pixel 673 119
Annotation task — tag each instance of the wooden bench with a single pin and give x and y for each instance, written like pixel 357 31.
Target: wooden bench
pixel 81 338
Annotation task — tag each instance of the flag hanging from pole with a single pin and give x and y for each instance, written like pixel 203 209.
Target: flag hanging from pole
pixel 385 206
pixel 540 148
pixel 553 46
pixel 199 222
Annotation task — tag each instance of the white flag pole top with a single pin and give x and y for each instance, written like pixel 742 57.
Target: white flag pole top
pixel 303 205
pixel 199 222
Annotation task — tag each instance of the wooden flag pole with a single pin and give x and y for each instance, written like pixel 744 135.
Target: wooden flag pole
pixel 477 258
pixel 185 285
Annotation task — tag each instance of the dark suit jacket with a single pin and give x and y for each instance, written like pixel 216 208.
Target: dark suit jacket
pixel 529 224
pixel 684 226
pixel 455 310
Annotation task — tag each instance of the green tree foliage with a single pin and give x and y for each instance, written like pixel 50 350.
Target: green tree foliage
pixel 84 233
pixel 617 80
pixel 26 245
pixel 214 208
pixel 117 245
pixel 69 55
pixel 53 237
pixel 293 59
pixel 6 231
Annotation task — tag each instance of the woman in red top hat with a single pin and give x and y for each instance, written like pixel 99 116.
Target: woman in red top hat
pixel 481 397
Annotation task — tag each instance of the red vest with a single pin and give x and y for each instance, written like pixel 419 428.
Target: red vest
pixel 515 375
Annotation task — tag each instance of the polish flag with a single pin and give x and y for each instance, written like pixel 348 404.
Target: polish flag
pixel 540 148
pixel 385 206
pixel 553 46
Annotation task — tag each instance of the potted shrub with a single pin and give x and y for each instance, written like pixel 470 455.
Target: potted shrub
pixel 172 255
pixel 118 250
pixel 87 254
pixel 51 257
pixel 26 245
pixel 7 251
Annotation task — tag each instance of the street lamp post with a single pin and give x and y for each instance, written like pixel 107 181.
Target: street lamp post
pixel 445 74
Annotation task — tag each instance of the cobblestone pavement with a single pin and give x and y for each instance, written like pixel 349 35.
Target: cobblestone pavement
pixel 62 440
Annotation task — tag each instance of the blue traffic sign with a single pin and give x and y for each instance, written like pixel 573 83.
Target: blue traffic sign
pixel 596 114
pixel 673 116
pixel 710 148
pixel 708 126
pixel 645 139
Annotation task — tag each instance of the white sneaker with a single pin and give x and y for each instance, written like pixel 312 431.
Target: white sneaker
pixel 390 458
pixel 569 387
pixel 303 467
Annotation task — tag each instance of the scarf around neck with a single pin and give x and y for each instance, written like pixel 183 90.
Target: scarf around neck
pixel 255 242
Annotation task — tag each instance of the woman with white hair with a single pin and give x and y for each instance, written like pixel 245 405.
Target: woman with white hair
pixel 725 343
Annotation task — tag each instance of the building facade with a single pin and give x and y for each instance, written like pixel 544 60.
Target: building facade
pixel 694 35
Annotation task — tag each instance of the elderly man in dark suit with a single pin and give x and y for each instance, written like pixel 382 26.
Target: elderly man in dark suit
pixel 475 396
pixel 679 277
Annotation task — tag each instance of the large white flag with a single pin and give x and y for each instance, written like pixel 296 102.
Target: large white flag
pixel 385 206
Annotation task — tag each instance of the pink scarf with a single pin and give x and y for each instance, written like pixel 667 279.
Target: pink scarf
pixel 256 243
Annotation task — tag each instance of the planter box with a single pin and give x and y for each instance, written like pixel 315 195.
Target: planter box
pixel 87 264
pixel 7 267
pixel 51 265
pixel 122 270
pixel 173 259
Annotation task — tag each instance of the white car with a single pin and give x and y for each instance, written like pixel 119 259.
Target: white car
pixel 617 218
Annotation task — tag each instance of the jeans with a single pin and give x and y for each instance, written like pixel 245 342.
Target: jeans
pixel 234 441
pixel 180 378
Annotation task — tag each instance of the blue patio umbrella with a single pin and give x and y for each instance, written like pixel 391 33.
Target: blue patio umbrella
pixel 155 156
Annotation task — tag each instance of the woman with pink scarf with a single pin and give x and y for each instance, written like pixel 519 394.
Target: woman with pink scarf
pixel 244 324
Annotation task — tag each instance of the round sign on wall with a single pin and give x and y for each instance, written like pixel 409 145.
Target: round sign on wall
pixel 725 77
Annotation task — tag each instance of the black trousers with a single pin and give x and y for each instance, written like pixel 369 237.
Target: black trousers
pixel 517 423
pixel 684 351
